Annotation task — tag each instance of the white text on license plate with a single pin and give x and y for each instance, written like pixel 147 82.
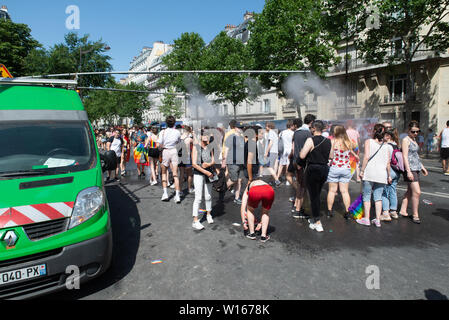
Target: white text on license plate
pixel 23 274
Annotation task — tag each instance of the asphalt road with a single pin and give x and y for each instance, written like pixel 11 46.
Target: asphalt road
pixel 297 263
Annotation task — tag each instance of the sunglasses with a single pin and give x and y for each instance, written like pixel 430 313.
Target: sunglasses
pixel 414 132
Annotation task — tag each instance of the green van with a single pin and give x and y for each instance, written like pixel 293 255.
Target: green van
pixel 55 229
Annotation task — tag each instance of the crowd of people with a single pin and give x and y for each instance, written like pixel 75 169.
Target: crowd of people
pixel 307 154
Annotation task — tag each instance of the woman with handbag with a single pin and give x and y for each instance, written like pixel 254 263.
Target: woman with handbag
pixel 375 174
pixel 317 152
pixel 203 163
pixel 413 166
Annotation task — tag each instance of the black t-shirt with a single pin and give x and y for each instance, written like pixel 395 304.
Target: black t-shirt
pixel 299 139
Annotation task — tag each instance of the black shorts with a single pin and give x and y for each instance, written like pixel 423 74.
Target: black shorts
pixel 415 176
pixel 291 166
pixel 119 160
pixel 444 153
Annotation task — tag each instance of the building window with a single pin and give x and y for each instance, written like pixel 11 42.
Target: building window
pixel 248 108
pixel 397 87
pixel 225 110
pixel 267 106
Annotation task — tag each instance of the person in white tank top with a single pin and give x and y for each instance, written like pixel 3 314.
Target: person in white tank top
pixel 375 173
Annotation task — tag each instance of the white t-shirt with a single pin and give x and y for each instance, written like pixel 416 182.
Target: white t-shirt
pixel 445 138
pixel 272 136
pixel 169 138
pixel 116 146
pixel 287 140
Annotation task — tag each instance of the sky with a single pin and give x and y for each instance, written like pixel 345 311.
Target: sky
pixel 128 26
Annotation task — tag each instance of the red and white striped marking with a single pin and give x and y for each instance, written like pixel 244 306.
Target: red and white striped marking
pixel 22 215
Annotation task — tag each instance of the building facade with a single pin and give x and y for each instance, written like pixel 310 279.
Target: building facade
pixel 150 59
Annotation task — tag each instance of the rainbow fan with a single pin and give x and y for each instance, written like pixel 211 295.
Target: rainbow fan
pixel 356 208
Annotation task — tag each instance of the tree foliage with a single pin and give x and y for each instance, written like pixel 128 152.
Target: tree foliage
pixel 171 105
pixel 16 43
pixel 111 106
pixel 291 35
pixel 226 53
pixel 186 55
pixel 65 58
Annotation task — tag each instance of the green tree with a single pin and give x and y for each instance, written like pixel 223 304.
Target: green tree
pixel 186 55
pixel 225 53
pixel 291 35
pixel 16 43
pixel 406 28
pixel 171 105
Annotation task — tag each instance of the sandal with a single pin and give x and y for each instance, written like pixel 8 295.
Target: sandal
pixel 394 214
pixel 404 215
pixel 385 217
pixel 416 220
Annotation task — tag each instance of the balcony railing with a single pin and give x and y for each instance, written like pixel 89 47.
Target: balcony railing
pixel 394 98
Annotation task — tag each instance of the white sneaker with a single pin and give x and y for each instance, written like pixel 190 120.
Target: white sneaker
pixel 209 219
pixel 192 190
pixel 154 183
pixel 317 227
pixel 287 183
pixel 164 197
pixel 172 186
pixel 177 199
pixel 197 225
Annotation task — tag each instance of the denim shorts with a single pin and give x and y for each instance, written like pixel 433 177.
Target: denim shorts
pixel 336 174
pixel 374 188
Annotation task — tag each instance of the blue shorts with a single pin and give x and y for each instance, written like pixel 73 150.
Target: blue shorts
pixel 374 188
pixel 336 175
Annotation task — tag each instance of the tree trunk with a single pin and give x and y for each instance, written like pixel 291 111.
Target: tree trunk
pixel 409 96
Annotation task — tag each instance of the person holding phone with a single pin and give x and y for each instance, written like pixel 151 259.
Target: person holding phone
pixel 413 167
pixel 203 164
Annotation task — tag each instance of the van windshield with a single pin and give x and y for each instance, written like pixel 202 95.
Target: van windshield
pixel 41 148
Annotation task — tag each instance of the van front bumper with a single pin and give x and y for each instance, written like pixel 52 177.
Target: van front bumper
pixel 91 258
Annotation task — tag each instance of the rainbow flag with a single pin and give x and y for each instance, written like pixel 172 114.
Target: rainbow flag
pixel 352 160
pixel 356 208
pixel 152 144
pixel 138 152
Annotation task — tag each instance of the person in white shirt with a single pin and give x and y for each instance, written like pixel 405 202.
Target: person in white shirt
pixel 168 140
pixel 115 143
pixel 271 151
pixel 444 148
pixel 286 137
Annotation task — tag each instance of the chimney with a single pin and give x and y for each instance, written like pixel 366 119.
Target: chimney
pixel 248 15
pixel 230 27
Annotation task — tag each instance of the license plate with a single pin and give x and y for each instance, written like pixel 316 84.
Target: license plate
pixel 23 274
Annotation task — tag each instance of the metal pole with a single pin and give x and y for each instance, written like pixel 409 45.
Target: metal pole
pixel 174 72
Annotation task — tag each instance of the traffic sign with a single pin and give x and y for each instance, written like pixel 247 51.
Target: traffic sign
pixel 4 73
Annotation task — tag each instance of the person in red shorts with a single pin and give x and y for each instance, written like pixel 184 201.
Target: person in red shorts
pixel 257 191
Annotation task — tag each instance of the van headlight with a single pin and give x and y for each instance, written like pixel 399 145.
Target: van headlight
pixel 87 204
